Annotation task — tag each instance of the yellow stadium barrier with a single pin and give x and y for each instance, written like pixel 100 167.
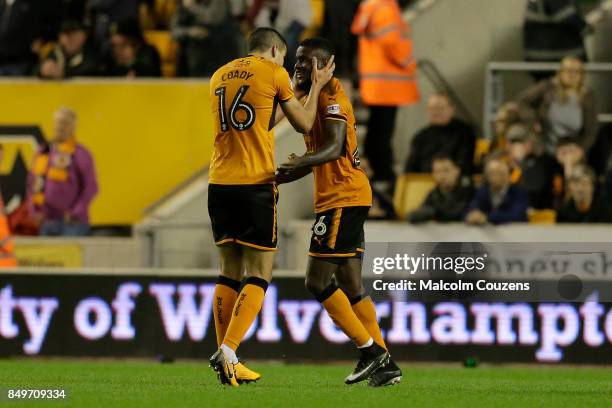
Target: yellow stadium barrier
pixel 146 136
pixel 542 216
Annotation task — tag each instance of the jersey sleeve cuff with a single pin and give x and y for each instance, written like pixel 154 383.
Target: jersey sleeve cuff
pixel 336 117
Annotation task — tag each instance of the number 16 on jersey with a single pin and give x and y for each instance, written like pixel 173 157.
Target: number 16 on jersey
pixel 237 105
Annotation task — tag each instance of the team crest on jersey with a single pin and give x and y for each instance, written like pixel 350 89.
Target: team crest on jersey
pixel 333 109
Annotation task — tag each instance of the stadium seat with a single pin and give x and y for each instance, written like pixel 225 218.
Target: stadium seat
pixel 318 10
pixel 542 216
pixel 166 47
pixel 410 191
pixel 482 149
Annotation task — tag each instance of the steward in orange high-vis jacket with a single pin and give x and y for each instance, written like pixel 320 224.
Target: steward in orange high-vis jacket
pixel 386 63
pixel 387 71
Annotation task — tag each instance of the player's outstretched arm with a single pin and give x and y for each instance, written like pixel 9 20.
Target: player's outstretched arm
pixel 335 131
pixel 302 117
pixel 287 176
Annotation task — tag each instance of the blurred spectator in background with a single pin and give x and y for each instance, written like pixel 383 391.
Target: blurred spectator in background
pixel 498 201
pixel 289 17
pixel 208 36
pixel 270 7
pixel 509 114
pixel 72 56
pixel 585 204
pixel 569 154
pixel 294 16
pixel 104 14
pixel 73 10
pixel 553 29
pixel 446 135
pixel 448 201
pixel 382 206
pixel 157 14
pixel 387 72
pixel 131 56
pixel 537 171
pixel 63 182
pixel 7 249
pixel 600 155
pixel 564 106
pixel 24 26
pixel 337 19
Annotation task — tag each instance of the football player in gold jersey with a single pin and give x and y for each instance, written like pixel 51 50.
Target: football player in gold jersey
pixel 342 199
pixel 242 195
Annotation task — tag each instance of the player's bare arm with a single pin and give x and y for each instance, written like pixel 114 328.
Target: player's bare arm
pixel 300 116
pixel 300 95
pixel 289 176
pixel 300 166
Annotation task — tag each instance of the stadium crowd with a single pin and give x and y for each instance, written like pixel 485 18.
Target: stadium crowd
pixel 67 38
pixel 546 148
pixel 548 151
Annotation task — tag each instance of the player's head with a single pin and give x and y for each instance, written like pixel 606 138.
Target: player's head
pixel 268 43
pixel 309 48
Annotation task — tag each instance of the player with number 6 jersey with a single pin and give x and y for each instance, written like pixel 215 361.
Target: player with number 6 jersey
pixel 342 199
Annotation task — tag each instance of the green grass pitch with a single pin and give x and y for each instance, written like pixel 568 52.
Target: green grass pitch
pixel 131 383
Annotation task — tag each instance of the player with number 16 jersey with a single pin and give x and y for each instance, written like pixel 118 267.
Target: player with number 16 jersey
pixel 242 193
pixel 244 97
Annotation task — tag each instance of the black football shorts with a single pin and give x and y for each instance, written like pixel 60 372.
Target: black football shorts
pixel 338 233
pixel 244 214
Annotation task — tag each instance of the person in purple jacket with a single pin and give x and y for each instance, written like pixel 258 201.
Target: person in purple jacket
pixel 62 182
pixel 498 201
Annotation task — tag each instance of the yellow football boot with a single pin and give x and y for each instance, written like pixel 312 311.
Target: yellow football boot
pixel 226 371
pixel 245 375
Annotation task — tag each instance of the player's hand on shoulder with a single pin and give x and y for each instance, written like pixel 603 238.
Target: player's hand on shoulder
pixel 320 77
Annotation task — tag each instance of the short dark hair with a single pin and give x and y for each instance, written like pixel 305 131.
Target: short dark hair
pixel 498 156
pixel 264 38
pixel 130 28
pixel 566 141
pixel 322 47
pixel 444 156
